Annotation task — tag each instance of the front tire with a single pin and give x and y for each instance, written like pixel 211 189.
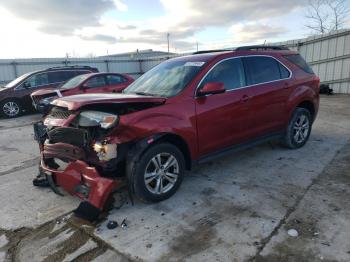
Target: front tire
pixel 299 129
pixel 10 108
pixel 158 173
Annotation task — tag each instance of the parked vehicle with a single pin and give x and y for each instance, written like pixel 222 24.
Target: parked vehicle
pixel 82 84
pixel 15 96
pixel 184 111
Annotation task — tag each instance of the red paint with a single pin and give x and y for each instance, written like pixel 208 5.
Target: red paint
pixel 79 173
pixel 205 123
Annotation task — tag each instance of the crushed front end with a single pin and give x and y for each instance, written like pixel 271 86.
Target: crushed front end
pixel 76 155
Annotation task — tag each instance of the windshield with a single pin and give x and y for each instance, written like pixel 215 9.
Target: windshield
pixel 17 80
pixel 165 80
pixel 75 81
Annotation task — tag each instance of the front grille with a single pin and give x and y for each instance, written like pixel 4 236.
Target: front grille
pixel 59 113
pixel 69 135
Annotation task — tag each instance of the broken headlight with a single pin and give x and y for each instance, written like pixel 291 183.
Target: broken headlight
pixel 97 118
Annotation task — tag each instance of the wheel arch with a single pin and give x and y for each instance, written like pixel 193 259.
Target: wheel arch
pixel 307 104
pixel 137 150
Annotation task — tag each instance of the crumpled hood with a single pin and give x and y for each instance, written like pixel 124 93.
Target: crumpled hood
pixel 76 101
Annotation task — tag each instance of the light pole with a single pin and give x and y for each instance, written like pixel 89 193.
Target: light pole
pixel 168 36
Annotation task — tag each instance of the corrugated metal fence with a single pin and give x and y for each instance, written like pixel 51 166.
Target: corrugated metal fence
pixel 329 56
pixel 10 69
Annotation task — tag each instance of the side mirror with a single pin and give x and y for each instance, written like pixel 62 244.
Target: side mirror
pixel 211 88
pixel 26 84
pixel 84 86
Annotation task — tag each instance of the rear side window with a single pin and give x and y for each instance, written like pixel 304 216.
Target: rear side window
pixel 96 81
pixel 115 79
pixel 260 69
pixel 283 71
pixel 230 72
pixel 300 62
pixel 60 76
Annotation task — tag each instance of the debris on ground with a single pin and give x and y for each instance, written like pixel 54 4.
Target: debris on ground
pixel 124 224
pixel 112 224
pixel 292 233
pixel 325 89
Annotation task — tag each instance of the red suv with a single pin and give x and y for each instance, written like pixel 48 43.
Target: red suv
pixel 82 84
pixel 184 111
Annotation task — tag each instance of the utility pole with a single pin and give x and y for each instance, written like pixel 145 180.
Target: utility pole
pixel 168 36
pixel 197 45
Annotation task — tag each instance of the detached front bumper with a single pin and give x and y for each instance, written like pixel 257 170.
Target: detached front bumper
pixel 77 178
pixel 83 181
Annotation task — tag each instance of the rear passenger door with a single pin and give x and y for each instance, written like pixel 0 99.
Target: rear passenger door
pixel 268 90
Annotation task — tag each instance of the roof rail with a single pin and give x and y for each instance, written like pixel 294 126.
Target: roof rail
pixel 260 47
pixel 70 66
pixel 211 51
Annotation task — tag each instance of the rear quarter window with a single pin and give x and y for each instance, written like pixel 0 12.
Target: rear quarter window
pixel 115 79
pixel 300 62
pixel 60 76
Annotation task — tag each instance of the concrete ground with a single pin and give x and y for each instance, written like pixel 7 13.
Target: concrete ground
pixel 238 208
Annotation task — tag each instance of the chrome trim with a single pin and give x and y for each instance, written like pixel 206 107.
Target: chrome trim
pixel 235 57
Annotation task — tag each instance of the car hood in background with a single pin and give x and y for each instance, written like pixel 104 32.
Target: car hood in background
pixel 76 101
pixel 47 91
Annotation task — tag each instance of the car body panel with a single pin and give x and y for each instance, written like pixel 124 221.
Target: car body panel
pixel 205 124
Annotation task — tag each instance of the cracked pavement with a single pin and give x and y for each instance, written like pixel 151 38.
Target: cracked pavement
pixel 237 208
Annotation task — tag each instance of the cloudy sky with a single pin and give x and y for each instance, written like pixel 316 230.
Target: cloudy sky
pixel 52 28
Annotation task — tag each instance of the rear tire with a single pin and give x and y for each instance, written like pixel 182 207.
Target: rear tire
pixel 299 129
pixel 158 173
pixel 10 108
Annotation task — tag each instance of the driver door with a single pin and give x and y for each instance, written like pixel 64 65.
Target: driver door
pixel 33 83
pixel 222 118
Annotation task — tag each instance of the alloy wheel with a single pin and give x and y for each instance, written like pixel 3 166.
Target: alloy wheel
pixel 161 173
pixel 11 108
pixel 301 129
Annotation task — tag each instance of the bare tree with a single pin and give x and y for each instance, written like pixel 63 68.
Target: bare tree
pixel 317 16
pixel 340 12
pixel 326 15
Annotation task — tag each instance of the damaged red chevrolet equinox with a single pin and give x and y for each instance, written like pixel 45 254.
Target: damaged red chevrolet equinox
pixel 186 110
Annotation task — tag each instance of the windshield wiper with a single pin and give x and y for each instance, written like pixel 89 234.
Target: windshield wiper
pixel 145 94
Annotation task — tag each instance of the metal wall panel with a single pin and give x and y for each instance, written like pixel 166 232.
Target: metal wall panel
pixel 329 56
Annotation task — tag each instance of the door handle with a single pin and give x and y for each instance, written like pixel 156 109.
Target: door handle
pixel 286 85
pixel 245 98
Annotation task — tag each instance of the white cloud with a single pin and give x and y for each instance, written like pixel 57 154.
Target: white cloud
pixel 55 27
pixel 121 6
pixel 254 32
